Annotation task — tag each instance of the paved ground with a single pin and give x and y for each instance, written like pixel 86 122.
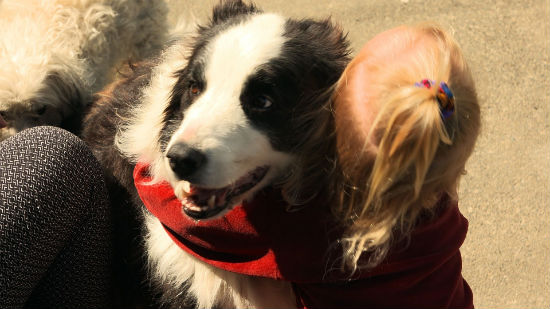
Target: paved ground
pixel 506 194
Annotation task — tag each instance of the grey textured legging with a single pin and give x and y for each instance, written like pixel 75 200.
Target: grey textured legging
pixel 54 223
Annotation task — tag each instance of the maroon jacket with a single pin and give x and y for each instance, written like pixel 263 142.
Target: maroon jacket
pixel 259 238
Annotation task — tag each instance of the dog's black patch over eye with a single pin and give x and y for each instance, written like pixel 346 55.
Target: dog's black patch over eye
pixel 195 88
pixel 259 94
pixel 189 86
pixel 268 99
pixel 298 81
pixel 260 103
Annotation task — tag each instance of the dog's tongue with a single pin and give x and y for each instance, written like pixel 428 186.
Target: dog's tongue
pixel 207 197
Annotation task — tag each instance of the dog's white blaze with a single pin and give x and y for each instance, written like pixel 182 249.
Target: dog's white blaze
pixel 216 122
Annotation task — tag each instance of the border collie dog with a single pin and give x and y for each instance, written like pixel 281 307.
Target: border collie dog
pixel 229 109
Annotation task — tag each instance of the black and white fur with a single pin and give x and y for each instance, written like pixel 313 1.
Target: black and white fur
pixel 240 100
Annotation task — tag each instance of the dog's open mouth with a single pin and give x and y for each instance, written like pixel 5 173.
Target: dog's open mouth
pixel 201 203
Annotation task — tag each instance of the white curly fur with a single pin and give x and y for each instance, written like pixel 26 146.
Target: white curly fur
pixel 55 53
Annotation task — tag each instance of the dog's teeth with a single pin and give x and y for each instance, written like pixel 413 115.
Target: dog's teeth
pixel 186 187
pixel 193 207
pixel 211 201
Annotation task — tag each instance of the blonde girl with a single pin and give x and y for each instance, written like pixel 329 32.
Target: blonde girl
pixel 407 119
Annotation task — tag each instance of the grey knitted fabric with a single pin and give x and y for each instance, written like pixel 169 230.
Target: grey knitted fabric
pixel 54 223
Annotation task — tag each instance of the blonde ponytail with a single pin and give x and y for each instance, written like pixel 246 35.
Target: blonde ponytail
pixel 419 154
pixel 413 132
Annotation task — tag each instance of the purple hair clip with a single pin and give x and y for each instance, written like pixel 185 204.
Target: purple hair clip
pixel 445 97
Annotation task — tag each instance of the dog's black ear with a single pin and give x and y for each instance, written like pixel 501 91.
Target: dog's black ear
pixel 227 9
pixel 326 49
pixel 325 43
pixel 63 92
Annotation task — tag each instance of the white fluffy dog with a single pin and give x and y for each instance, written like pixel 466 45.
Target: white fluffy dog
pixel 55 53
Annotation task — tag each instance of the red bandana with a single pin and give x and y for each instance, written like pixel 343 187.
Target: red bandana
pixel 260 238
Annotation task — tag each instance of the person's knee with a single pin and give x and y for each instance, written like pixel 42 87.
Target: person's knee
pixel 54 163
pixel 51 148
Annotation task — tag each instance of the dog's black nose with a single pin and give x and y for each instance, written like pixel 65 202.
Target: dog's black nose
pixel 185 160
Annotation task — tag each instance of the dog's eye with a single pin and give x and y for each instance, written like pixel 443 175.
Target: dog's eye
pixel 41 110
pixel 262 103
pixel 194 89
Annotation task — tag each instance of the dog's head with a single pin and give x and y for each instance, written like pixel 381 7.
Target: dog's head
pixel 56 102
pixel 248 105
pixel 40 76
